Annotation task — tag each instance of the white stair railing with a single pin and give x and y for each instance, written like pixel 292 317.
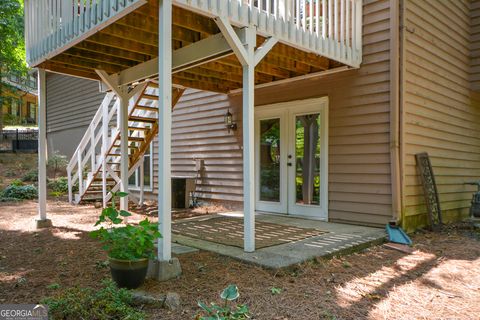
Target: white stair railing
pixel 92 153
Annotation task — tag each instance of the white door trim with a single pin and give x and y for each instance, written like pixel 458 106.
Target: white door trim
pixel 280 207
pixel 285 111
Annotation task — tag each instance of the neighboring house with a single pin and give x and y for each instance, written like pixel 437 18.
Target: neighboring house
pixel 19 100
pixel 335 133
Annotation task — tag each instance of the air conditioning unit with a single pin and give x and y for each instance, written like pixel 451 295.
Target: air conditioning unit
pixel 182 189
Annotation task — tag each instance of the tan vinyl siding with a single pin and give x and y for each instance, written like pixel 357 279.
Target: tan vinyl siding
pixel 475 45
pixel 199 132
pixel 359 159
pixel 439 115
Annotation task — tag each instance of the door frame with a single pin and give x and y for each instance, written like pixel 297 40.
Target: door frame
pixel 284 111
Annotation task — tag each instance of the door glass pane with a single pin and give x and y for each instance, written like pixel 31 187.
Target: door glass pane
pixel 270 160
pixel 307 155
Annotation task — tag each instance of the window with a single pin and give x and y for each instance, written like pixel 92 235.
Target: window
pixel 134 180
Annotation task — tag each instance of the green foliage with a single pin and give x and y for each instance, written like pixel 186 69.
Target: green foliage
pixel 53 286
pixel 129 242
pixel 226 311
pixel 59 185
pixel 31 176
pixel 275 290
pixel 57 163
pixel 21 192
pixel 12 50
pixel 16 183
pixel 108 303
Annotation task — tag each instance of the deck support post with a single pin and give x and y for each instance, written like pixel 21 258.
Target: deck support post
pixel 248 143
pixel 164 267
pixel 42 221
pixel 249 58
pixel 124 159
pixel 165 128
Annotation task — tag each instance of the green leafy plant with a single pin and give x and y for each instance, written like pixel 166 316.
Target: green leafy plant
pixel 107 303
pixel 16 183
pixel 226 311
pixel 19 192
pixel 128 242
pixel 59 185
pixel 31 176
pixel 275 290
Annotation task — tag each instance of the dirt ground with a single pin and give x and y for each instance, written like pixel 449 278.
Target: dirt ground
pixel 15 166
pixel 440 280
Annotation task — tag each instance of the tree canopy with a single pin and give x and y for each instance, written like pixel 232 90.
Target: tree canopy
pixel 12 48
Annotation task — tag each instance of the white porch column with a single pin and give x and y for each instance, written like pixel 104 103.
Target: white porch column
pixel 42 220
pixel 124 162
pixel 248 142
pixel 164 125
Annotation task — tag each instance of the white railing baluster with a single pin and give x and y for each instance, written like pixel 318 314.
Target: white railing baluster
pixel 92 145
pixel 80 173
pixel 342 28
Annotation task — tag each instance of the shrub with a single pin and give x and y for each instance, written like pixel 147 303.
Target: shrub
pixel 57 163
pixel 225 311
pixel 27 192
pixel 109 303
pixel 16 183
pixel 30 176
pixel 59 185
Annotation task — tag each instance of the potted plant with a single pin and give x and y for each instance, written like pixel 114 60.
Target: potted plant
pixel 129 247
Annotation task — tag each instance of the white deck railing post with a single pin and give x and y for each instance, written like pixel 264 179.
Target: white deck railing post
pixel 105 147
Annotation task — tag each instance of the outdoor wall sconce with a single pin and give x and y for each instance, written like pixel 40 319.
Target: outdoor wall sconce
pixel 229 122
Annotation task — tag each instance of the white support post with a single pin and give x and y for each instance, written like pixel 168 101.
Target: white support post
pixel 248 143
pixel 42 220
pixel 249 59
pixel 124 162
pixel 142 180
pixel 164 124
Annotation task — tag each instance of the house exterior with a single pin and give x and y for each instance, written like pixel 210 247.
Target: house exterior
pixel 19 100
pixel 326 130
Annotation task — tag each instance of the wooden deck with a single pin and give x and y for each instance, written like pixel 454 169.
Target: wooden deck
pixel 133 39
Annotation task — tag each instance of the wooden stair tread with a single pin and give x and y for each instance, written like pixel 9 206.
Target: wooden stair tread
pixel 147 108
pixel 139 128
pixel 149 96
pixel 141 119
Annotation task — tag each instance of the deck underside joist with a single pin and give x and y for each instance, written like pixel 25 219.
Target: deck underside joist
pixel 134 39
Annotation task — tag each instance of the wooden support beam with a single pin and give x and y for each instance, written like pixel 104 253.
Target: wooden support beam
pixel 124 44
pixel 197 53
pixel 111 51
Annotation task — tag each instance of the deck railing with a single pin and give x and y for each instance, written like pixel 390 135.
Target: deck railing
pixel 332 28
pixel 51 24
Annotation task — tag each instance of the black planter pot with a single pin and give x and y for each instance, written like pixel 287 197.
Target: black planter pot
pixel 127 273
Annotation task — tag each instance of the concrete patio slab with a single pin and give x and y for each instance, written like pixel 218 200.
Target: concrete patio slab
pixel 340 238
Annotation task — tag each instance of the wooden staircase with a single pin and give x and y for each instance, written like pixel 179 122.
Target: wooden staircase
pixel 94 169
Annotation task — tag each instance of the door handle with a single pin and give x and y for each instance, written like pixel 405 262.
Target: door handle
pixel 289 164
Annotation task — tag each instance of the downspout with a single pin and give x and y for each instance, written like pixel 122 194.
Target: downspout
pixel 395 165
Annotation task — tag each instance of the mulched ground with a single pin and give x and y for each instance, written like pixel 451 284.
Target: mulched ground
pixel 440 280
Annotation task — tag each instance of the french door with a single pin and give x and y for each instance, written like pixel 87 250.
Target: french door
pixel 291 153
